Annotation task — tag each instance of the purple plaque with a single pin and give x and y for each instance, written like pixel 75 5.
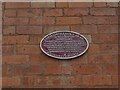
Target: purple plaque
pixel 64 44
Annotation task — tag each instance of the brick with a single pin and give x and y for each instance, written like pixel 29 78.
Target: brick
pixel 105 38
pixel 76 11
pixel 113 19
pixel 29 12
pixel 10 13
pixel 18 70
pixel 115 79
pixel 103 59
pixel 15 59
pixel 15 21
pixel 103 11
pixel 87 69
pixel 96 20
pixel 110 69
pixel 54 81
pixel 80 4
pixel 24 12
pixel 29 30
pixel 42 21
pixel 53 12
pixel 67 69
pixel 53 69
pixel 102 20
pixel 8 50
pixel 30 81
pixel 100 4
pixel 109 48
pixel 89 20
pixel 81 60
pixel 94 49
pixel 42 4
pixel 61 4
pixel 49 29
pixel 68 20
pixel 107 28
pixel 7 70
pixel 74 80
pixel 35 40
pixel 97 80
pixel 9 30
pixel 84 28
pixel 36 59
pixel 11 81
pixel 28 49
pixel 32 70
pixel 17 4
pixel 112 4
pixel 18 39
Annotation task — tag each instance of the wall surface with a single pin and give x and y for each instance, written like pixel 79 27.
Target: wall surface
pixel 24 65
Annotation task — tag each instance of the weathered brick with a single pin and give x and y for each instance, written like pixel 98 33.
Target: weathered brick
pixel 61 4
pixel 84 28
pixel 30 81
pixel 15 59
pixel 8 50
pixel 7 71
pixel 103 11
pixel 15 21
pixel 105 38
pixel 54 80
pixel 68 20
pixel 29 12
pixel 113 19
pixel 29 30
pixel 49 29
pixel 76 11
pixel 53 12
pixel 17 4
pixel 18 70
pixel 9 30
pixel 100 4
pixel 42 21
pixel 53 69
pixel 97 80
pixel 74 81
pixel 102 20
pixel 28 49
pixel 89 20
pixel 87 69
pixel 109 48
pixel 96 20
pixel 35 40
pixel 107 28
pixel 11 81
pixel 112 4
pixel 42 4
pixel 10 13
pixel 115 79
pixel 18 39
pixel 80 4
pixel 36 59
pixel 110 69
pixel 32 70
pixel 94 49
pixel 103 59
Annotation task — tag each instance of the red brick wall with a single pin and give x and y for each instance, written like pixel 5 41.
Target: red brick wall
pixel 24 65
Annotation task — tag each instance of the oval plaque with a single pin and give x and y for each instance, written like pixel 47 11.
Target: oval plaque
pixel 64 44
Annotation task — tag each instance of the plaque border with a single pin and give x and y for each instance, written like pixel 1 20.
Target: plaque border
pixel 64 57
